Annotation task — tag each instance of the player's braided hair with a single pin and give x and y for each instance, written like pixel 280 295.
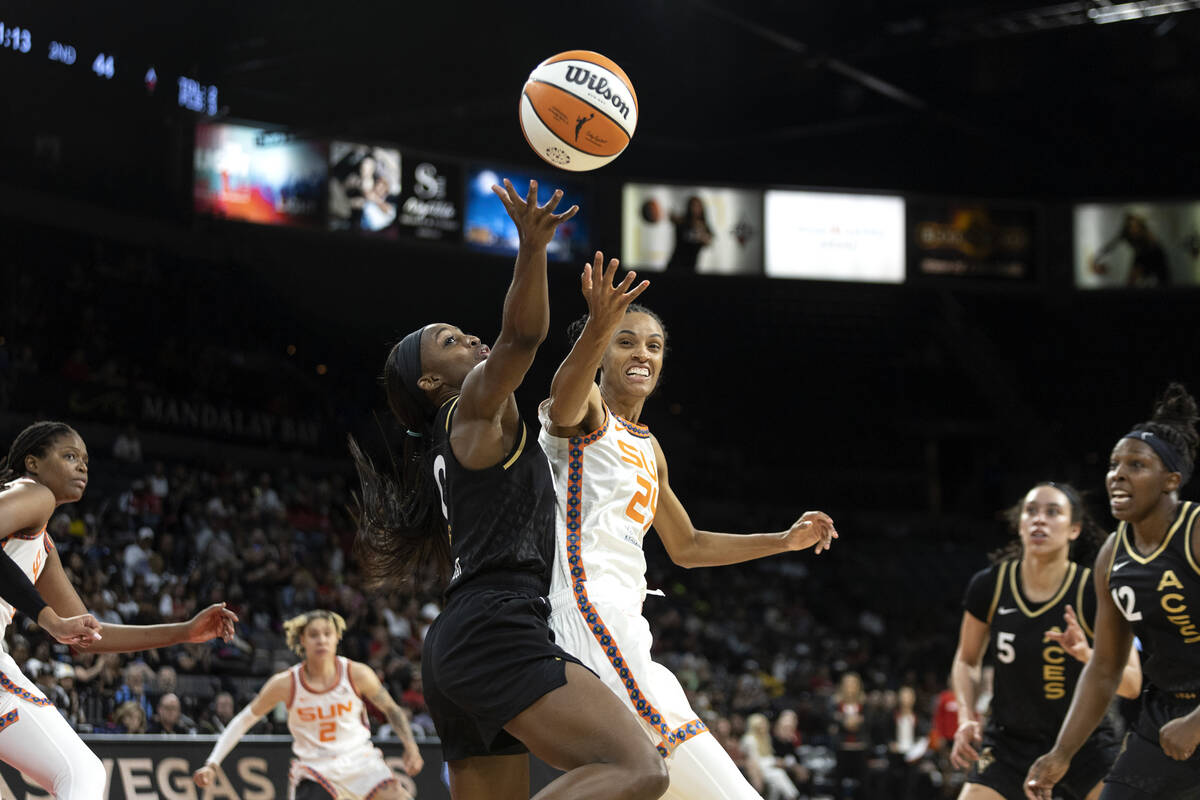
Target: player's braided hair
pixel 35 440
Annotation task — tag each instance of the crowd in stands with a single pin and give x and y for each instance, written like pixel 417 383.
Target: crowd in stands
pixel 824 651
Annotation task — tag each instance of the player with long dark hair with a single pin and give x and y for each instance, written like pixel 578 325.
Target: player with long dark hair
pixel 474 491
pixel 1148 585
pixel 610 477
pixel 47 466
pixel 1033 608
pixel 327 717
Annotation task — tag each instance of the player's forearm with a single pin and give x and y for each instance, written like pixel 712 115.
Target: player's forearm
pixel 527 304
pixel 132 638
pixel 709 549
pixel 399 722
pixel 1088 706
pixel 964 681
pixel 576 375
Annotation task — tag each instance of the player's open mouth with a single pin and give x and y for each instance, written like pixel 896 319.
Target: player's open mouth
pixel 639 374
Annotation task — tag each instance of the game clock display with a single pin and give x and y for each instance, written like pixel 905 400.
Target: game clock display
pixel 15 38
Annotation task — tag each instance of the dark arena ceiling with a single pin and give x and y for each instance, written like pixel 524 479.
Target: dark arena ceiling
pixel 979 98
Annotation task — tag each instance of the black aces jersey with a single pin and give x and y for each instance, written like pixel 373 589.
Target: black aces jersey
pixel 1159 594
pixel 500 519
pixel 1034 677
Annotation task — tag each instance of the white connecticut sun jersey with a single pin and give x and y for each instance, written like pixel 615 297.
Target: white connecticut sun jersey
pixel 609 479
pixel 328 724
pixel 29 552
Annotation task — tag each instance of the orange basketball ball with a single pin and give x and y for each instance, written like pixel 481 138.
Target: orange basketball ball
pixel 578 110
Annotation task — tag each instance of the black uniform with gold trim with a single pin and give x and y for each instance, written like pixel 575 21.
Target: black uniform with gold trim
pixel 1159 594
pixel 1034 680
pixel 490 653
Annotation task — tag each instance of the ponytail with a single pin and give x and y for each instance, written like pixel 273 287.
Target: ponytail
pixel 400 523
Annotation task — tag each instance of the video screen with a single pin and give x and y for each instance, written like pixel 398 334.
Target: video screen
pixel 835 237
pixel 971 239
pixel 364 188
pixel 258 175
pixel 692 229
pixel 489 229
pixel 1141 245
pixel 431 199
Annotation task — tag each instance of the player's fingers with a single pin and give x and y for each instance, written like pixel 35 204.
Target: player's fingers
pixel 553 202
pixel 626 282
pixel 566 215
pixel 585 279
pixel 531 197
pixel 633 293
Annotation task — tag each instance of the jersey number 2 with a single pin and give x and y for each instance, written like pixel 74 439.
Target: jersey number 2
pixel 328 732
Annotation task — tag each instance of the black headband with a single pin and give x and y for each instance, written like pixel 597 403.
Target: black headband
pixel 1171 458
pixel 408 363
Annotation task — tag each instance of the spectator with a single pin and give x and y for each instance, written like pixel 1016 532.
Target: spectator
pixel 170 718
pixel 220 715
pixel 129 717
pixel 757 744
pixel 133 690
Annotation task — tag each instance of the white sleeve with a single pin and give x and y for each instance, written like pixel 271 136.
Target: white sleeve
pixel 233 733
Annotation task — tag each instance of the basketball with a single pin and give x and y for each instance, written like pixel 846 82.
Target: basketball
pixel 578 110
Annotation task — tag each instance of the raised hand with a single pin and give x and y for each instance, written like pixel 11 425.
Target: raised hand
pixel 813 528
pixel 535 224
pixel 214 622
pixel 1071 638
pixel 607 303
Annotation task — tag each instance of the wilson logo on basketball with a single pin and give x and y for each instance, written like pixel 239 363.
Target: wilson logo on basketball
pixel 600 86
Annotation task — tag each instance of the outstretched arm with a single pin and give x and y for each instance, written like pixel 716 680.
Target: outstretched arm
pixel 369 685
pixel 276 690
pixel 1095 689
pixel 575 401
pixel 216 621
pixel 964 680
pixel 526 318
pixel 689 547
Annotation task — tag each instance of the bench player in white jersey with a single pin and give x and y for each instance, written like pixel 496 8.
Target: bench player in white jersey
pixel 611 482
pixel 47 466
pixel 331 737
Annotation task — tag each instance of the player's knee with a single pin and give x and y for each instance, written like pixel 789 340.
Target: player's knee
pixel 649 779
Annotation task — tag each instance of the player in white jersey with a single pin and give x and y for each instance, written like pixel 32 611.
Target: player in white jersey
pixel 327 717
pixel 45 468
pixel 611 482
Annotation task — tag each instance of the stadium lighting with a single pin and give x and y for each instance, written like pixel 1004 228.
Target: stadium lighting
pixel 1122 12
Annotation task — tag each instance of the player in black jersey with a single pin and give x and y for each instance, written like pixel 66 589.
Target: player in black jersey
pixel 476 495
pixel 1033 609
pixel 1148 585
